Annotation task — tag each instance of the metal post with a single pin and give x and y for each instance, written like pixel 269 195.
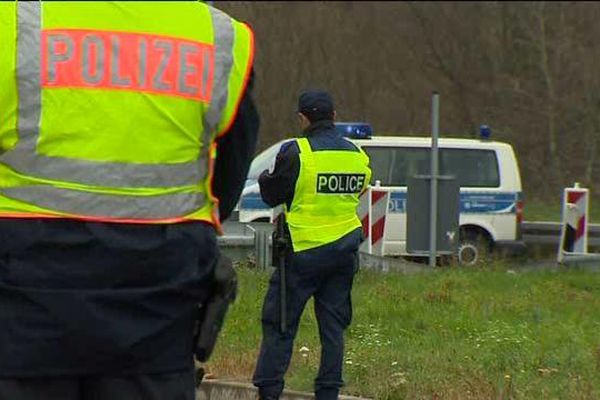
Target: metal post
pixel 261 246
pixel 370 219
pixel 435 117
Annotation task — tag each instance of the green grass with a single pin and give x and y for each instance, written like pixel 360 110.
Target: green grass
pixel 538 210
pixel 450 334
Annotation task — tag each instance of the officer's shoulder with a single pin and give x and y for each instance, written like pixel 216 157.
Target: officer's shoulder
pixel 289 147
pixel 351 145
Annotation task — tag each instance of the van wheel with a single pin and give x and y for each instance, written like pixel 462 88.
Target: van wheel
pixel 473 249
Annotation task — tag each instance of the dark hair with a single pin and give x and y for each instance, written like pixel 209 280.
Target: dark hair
pixel 318 116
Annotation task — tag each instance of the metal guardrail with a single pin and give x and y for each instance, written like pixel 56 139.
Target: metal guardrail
pixel 253 239
pixel 241 234
pixel 542 232
pixel 243 241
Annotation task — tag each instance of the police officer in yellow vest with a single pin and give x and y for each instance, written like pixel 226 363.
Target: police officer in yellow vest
pixel 111 190
pixel 319 179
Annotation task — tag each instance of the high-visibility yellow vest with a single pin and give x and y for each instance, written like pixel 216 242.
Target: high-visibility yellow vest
pixel 109 111
pixel 326 195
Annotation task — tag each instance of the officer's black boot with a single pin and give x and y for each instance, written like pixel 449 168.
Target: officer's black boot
pixel 327 394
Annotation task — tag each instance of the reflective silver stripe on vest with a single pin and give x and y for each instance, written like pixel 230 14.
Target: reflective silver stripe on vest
pixel 28 71
pixel 108 206
pixel 223 29
pixel 24 158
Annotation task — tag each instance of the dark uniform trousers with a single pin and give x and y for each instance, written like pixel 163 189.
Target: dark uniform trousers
pixel 173 386
pixel 97 311
pixel 327 273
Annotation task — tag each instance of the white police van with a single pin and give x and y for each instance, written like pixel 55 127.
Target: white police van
pixel 491 204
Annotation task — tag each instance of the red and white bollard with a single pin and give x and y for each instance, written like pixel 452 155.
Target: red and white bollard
pixel 574 230
pixel 372 212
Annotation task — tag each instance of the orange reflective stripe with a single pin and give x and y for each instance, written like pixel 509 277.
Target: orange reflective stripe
pixel 96 219
pixel 127 61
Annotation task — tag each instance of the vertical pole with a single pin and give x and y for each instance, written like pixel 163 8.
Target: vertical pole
pixel 370 239
pixel 587 221
pixel 563 229
pixel 435 117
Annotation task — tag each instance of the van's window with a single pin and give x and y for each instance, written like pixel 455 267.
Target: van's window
pixel 393 166
pixel 472 168
pixel 263 161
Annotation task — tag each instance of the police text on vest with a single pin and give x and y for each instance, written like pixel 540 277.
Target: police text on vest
pixel 340 183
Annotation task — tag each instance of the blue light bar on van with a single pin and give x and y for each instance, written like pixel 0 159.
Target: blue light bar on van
pixel 354 130
pixel 485 132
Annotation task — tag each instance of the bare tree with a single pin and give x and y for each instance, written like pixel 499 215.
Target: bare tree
pixel 527 69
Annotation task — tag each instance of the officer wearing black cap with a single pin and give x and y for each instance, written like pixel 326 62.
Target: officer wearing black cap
pixel 318 179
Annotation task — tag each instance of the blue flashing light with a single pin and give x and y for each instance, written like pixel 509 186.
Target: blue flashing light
pixel 485 132
pixel 354 130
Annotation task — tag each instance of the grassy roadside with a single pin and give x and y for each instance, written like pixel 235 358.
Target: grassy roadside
pixel 452 334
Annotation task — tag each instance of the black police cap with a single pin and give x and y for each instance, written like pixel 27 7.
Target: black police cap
pixel 316 105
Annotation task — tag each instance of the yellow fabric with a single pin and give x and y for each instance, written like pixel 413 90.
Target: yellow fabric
pixel 174 123
pixel 316 218
pixel 118 126
pixel 8 90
